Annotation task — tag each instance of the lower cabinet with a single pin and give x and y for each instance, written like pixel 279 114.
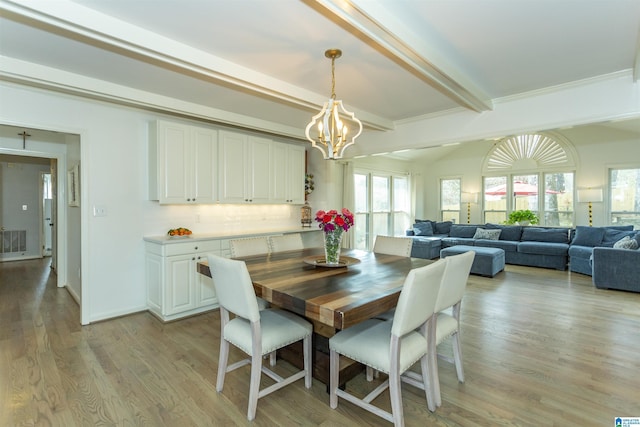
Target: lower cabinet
pixel 174 287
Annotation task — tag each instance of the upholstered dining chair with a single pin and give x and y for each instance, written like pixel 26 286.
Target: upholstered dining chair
pixel 392 347
pixel 286 242
pixel 255 332
pixel 249 246
pixel 400 246
pixel 447 322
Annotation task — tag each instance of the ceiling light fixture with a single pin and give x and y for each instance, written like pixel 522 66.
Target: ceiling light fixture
pixel 331 121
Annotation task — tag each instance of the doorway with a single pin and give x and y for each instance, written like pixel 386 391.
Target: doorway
pixel 48 216
pixel 57 149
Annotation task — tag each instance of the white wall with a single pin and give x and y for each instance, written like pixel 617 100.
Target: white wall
pixel 113 159
pixel 598 148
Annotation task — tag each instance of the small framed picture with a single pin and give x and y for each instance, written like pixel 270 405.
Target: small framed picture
pixel 73 186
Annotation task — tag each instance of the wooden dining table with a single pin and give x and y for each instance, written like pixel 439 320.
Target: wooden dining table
pixel 331 298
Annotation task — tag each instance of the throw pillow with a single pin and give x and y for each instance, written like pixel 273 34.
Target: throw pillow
pixel 422 229
pixel 443 227
pixel 626 243
pixel 482 233
pixel 588 236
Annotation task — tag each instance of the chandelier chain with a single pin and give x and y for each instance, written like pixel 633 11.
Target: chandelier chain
pixel 333 77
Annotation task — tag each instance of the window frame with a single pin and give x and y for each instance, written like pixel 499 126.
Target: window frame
pixel 393 216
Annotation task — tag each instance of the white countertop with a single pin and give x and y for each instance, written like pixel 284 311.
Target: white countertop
pixel 166 239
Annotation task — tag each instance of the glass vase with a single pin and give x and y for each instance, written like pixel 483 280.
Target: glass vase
pixel 332 245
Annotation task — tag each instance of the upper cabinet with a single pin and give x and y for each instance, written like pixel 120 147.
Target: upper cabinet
pixel 244 171
pixel 288 171
pixel 193 165
pixel 182 163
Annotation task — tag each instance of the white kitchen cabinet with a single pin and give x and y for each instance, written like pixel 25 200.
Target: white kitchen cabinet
pixel 244 168
pixel 182 163
pixel 288 172
pixel 174 287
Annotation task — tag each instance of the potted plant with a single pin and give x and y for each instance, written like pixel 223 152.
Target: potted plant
pixel 522 217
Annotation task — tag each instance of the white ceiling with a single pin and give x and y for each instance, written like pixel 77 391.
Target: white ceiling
pixel 265 58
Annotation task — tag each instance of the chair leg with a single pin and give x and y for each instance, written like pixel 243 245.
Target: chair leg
pixel 222 363
pixel 432 352
pixel 369 372
pixel 254 385
pixel 308 368
pixel 272 358
pixel 425 366
pixel 334 365
pixel 396 399
pixel 457 356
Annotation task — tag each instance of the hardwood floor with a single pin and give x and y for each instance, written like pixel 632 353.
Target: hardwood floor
pixel 540 348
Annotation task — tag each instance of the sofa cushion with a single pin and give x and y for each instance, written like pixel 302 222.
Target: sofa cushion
pixel 482 233
pixel 466 231
pixel 588 236
pixel 619 227
pixel 551 235
pixel 454 241
pixel 505 245
pixel 423 229
pixel 543 248
pixel 611 236
pixel 577 251
pixel 626 243
pixel 509 232
pixel 443 227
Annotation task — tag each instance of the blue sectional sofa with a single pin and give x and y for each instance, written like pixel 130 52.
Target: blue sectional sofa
pixel 531 246
pixel 605 253
pixel 609 254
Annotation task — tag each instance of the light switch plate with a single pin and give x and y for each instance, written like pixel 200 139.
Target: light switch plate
pixel 99 210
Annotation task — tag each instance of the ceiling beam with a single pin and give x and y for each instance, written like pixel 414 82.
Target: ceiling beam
pixel 101 30
pixel 377 25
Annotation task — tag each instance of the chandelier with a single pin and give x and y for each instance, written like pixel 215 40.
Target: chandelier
pixel 331 122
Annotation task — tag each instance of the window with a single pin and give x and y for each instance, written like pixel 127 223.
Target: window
pixel 361 215
pixel 558 199
pixel 535 173
pixel 495 201
pixel 382 206
pixel 450 200
pixel 624 194
pixel 503 194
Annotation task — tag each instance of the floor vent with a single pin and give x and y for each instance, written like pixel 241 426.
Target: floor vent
pixel 13 241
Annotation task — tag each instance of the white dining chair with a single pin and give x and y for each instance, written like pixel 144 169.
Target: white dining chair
pixel 249 246
pixel 447 322
pixel 255 332
pixel 392 347
pixel 400 246
pixel 286 242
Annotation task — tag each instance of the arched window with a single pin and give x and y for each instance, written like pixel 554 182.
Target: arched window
pixel 530 171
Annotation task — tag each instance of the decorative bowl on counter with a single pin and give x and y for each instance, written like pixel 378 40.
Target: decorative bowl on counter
pixel 179 233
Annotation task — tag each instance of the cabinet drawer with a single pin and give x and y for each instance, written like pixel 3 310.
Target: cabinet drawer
pixel 183 248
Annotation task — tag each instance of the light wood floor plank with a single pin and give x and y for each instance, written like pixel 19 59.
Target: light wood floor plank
pixel 541 348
